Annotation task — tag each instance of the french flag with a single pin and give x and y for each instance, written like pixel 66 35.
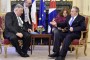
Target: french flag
pixel 52 13
pixel 34 15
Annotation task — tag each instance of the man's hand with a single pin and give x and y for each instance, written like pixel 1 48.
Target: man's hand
pixel 19 35
pixel 71 29
pixel 29 30
pixel 53 23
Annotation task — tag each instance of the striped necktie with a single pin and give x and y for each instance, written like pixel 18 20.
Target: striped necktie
pixel 20 22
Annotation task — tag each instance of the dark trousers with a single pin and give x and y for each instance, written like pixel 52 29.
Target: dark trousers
pixel 14 41
pixel 66 38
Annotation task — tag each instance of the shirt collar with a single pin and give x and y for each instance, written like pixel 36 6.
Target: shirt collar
pixel 75 16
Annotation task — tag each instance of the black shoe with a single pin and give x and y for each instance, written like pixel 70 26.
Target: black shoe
pixel 54 55
pixel 69 49
pixel 22 54
pixel 60 58
pixel 24 51
pixel 26 55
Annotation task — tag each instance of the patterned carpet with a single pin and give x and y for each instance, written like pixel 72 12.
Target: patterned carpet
pixel 41 53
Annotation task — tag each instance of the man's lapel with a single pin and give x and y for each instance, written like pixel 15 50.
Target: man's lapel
pixel 76 20
pixel 15 18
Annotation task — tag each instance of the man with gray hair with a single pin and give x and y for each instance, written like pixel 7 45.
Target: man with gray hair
pixel 15 29
pixel 75 23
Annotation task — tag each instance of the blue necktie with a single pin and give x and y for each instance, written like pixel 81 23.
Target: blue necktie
pixel 71 21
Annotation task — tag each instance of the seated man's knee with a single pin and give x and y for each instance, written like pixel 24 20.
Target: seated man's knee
pixel 13 38
pixel 69 36
pixel 28 38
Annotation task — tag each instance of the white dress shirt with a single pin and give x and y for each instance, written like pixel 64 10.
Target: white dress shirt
pixel 26 12
pixel 20 22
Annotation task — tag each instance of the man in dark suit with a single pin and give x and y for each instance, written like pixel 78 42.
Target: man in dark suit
pixel 15 29
pixel 26 16
pixel 75 23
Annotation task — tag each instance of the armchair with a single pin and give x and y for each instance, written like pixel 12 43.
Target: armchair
pixel 77 43
pixel 5 41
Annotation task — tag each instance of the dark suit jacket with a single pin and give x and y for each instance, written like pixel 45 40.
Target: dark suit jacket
pixel 11 24
pixel 23 18
pixel 78 24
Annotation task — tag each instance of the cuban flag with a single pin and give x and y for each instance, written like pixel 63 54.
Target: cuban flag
pixel 34 15
pixel 52 13
pixel 42 14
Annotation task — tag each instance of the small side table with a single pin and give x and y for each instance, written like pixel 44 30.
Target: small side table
pixel 33 36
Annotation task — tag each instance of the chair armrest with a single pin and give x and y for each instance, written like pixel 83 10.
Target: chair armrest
pixel 82 32
pixel 81 40
pixel 1 34
pixel 1 30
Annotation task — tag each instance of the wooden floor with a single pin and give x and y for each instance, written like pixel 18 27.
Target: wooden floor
pixel 41 53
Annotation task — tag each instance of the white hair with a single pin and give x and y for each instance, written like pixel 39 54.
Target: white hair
pixel 18 6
